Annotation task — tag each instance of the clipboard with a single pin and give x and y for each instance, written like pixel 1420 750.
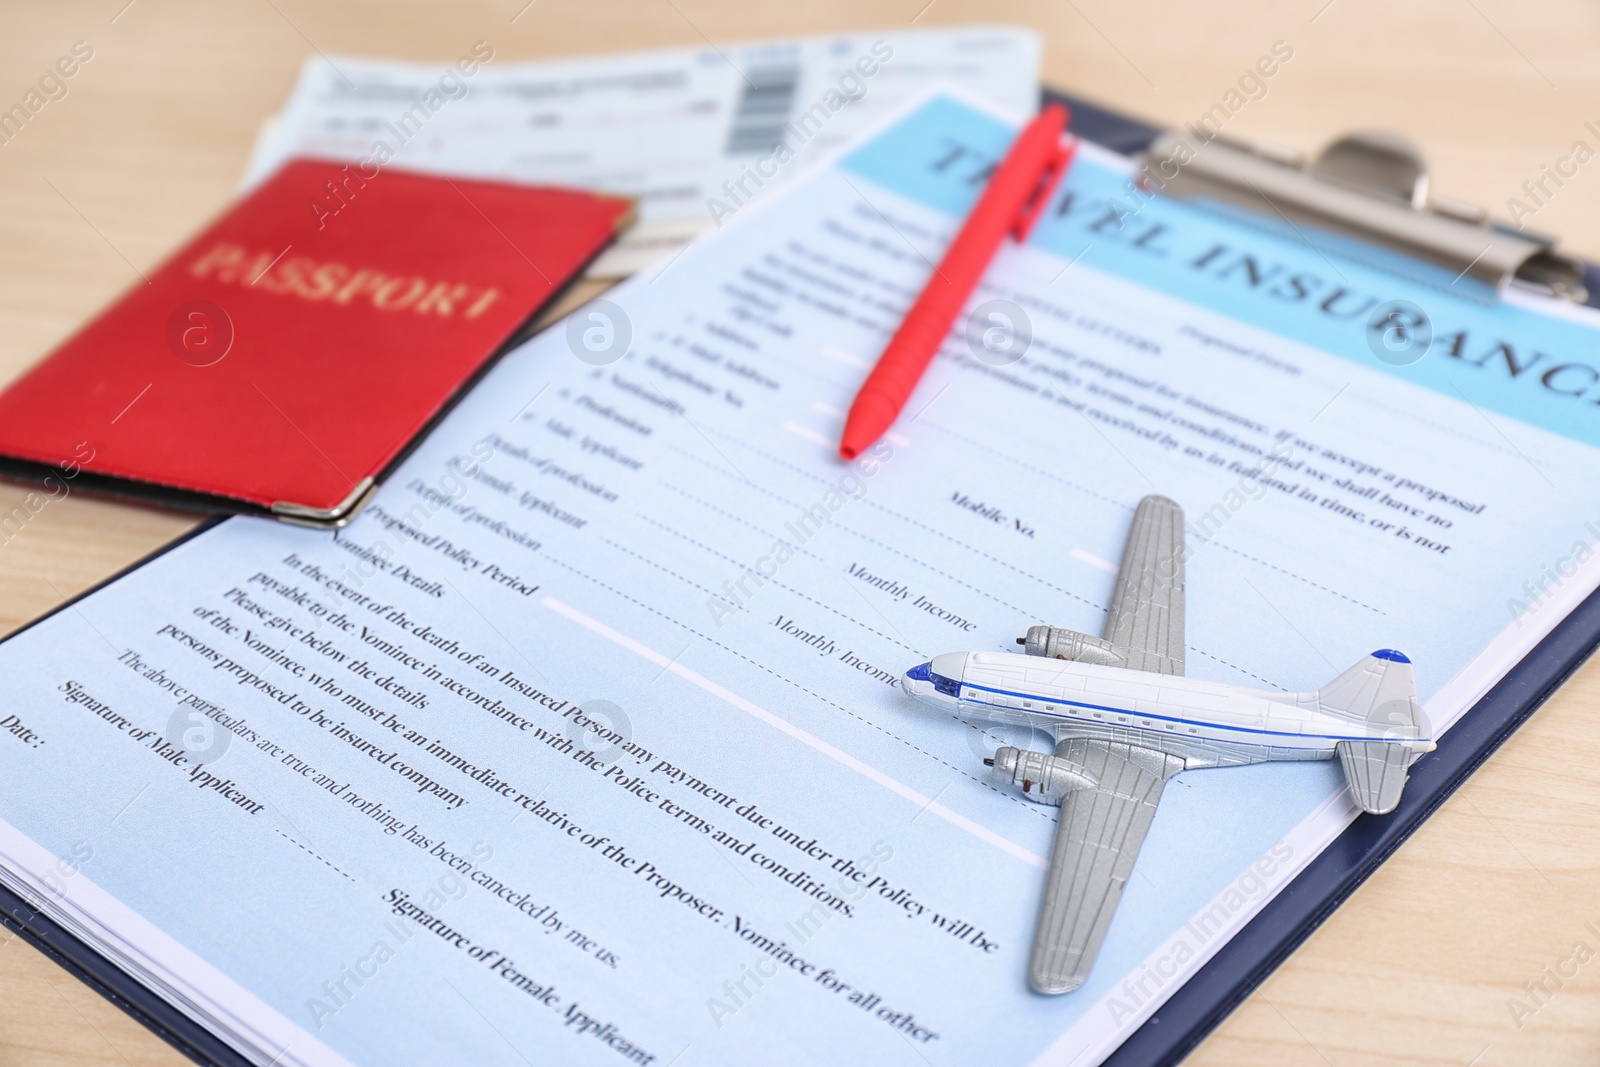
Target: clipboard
pixel 1191 1012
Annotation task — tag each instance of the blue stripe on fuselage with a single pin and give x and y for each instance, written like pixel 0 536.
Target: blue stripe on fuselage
pixel 1147 715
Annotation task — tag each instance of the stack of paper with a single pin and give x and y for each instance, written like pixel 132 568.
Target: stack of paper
pixel 693 133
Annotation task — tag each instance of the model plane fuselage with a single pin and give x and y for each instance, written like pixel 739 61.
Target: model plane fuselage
pixel 1208 724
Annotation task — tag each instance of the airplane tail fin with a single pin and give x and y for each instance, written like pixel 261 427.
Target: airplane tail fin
pixel 1379 697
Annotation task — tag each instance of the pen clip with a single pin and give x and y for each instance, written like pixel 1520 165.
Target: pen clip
pixel 1055 169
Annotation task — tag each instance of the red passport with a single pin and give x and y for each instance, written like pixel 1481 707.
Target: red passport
pixel 290 355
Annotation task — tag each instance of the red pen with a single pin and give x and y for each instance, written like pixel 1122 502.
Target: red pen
pixel 1011 204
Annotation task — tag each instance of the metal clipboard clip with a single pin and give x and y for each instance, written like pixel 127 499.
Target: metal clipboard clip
pixel 1372 186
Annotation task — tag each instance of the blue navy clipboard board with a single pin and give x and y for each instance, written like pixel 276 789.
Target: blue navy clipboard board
pixel 1241 965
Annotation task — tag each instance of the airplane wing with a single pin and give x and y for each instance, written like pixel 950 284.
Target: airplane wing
pixel 1097 840
pixel 1146 618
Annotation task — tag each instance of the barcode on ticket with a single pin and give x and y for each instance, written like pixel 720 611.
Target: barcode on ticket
pixel 764 105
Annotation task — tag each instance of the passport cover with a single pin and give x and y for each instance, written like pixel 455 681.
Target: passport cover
pixel 291 354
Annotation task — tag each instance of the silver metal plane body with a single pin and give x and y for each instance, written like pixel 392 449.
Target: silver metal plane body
pixel 1207 724
pixel 1125 721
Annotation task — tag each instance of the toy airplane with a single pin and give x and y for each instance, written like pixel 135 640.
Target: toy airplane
pixel 1125 721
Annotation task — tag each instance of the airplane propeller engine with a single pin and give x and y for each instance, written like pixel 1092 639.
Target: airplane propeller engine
pixel 1060 643
pixel 1041 777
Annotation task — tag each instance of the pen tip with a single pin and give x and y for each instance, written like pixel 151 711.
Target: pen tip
pixel 848 451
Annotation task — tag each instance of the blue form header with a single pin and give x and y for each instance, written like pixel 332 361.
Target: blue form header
pixel 1356 302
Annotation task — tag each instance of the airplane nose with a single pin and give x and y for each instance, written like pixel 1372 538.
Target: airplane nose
pixel 918 682
pixel 935 681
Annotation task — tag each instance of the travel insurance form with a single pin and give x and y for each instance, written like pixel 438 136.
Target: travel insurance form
pixel 585 742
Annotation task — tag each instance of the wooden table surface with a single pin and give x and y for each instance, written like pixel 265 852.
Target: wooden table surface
pixel 1421 964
